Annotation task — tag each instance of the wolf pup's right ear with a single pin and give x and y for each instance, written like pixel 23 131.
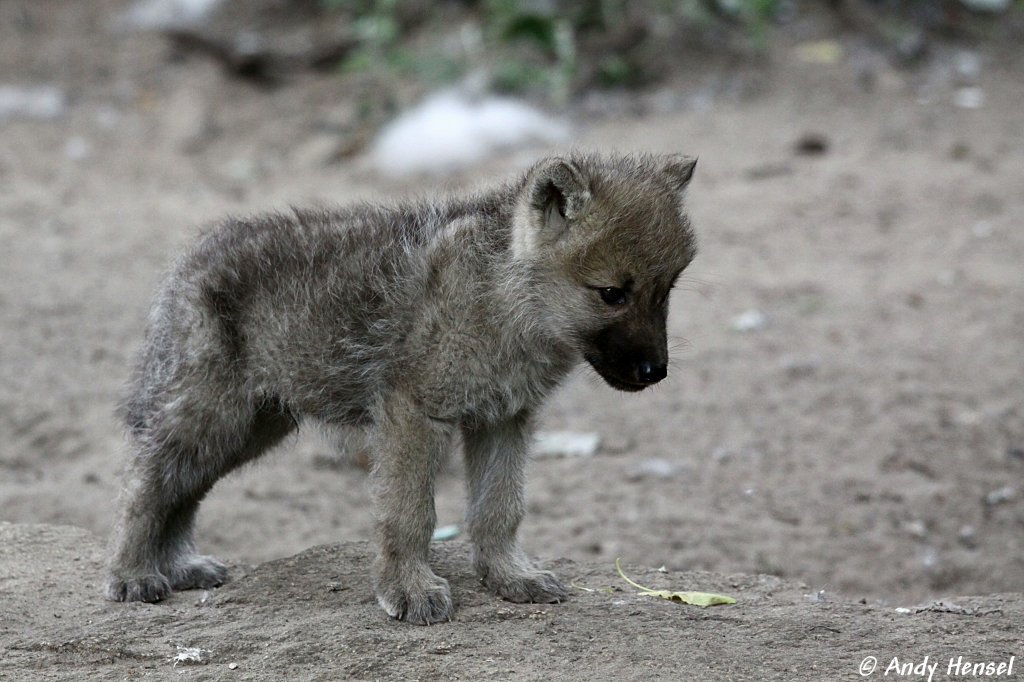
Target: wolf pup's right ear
pixel 557 195
pixel 679 169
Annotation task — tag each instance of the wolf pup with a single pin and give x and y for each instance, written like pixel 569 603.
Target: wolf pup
pixel 420 322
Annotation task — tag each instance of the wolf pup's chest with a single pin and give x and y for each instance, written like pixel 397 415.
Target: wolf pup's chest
pixel 486 376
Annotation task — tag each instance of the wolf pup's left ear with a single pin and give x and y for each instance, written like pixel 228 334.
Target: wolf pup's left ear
pixel 679 169
pixel 557 196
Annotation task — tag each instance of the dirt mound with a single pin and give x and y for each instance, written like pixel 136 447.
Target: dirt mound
pixel 313 616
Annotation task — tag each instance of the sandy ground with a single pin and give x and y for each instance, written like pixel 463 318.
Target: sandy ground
pixel 867 440
pixel 312 617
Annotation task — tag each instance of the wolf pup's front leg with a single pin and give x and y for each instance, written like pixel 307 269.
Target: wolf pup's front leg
pixel 496 456
pixel 408 448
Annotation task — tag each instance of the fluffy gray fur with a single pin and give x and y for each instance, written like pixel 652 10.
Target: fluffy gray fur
pixel 422 322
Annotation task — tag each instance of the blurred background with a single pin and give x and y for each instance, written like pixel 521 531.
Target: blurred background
pixel 845 405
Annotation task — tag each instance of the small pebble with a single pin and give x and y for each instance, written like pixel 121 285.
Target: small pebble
pixel 449 532
pixel 722 454
pixel 982 229
pixel 749 321
pixel 987 5
pixel 968 536
pixel 653 468
pixel 902 609
pixel 34 102
pixel 817 597
pixel 969 98
pixel 1001 495
pixel 565 444
pixel 916 528
pixel 232 666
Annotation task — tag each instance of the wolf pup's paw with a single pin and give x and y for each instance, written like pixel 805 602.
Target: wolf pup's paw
pixel 198 572
pixel 147 588
pixel 421 599
pixel 529 586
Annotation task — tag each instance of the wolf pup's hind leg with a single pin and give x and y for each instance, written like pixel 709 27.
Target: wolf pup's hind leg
pixel 178 455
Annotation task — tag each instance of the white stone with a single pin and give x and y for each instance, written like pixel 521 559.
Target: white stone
pixel 449 132
pixel 565 444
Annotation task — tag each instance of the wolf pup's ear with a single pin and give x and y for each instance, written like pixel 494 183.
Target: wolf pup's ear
pixel 557 196
pixel 679 169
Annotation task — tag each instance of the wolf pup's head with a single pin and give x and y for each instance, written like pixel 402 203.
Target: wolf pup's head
pixel 606 239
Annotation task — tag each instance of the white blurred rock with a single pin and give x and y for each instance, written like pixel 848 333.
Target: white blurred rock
pixel 1001 495
pixel 986 5
pixel 916 528
pixel 818 597
pixel 565 444
pixel 969 98
pixel 982 229
pixel 968 536
pixel 749 321
pixel 449 131
pixel 653 468
pixel 443 533
pixel 189 655
pixel 163 14
pixel 34 102
pixel 722 454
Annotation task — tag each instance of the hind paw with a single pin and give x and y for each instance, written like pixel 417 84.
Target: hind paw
pixel 198 572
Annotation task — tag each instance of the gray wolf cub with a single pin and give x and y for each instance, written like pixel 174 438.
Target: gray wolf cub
pixel 420 322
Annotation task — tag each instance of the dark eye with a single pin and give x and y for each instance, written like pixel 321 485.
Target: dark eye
pixel 612 295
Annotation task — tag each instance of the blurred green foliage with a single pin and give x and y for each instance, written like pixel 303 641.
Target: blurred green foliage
pixel 553 49
pixel 526 46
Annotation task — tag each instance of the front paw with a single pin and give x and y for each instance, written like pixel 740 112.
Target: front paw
pixel 416 596
pixel 151 587
pixel 528 586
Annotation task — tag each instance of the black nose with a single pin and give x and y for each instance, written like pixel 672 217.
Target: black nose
pixel 650 373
